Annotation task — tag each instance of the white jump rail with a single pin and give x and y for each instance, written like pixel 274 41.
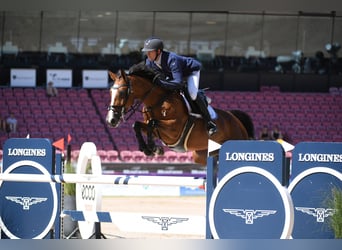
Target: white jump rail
pixel 107 179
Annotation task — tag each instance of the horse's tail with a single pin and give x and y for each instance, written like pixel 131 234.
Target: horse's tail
pixel 246 120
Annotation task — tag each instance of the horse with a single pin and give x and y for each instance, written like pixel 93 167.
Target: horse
pixel 166 116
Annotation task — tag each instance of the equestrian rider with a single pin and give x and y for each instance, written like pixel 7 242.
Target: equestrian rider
pixel 175 67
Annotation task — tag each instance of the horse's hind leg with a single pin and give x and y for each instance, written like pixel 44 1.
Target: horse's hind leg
pixel 200 157
pixel 137 126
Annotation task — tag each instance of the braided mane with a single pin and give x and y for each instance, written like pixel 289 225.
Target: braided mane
pixel 142 70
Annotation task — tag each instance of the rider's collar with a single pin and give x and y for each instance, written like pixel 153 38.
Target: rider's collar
pixel 158 60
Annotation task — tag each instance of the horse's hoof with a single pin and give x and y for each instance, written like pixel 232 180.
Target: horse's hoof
pixel 148 152
pixel 159 150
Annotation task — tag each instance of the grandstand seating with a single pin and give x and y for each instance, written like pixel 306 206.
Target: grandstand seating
pixel 81 113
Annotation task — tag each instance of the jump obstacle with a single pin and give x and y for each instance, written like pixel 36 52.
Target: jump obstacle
pixel 106 179
pixel 252 195
pixel 88 206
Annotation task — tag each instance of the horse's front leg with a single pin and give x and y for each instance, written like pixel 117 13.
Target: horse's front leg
pixel 138 128
pixel 150 138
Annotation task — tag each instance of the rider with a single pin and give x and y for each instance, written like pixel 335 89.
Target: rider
pixel 175 67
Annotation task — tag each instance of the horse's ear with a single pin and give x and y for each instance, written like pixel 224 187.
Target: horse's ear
pixel 112 75
pixel 123 74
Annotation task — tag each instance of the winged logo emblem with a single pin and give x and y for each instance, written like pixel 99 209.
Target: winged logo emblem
pixel 248 214
pixel 164 222
pixel 319 213
pixel 26 202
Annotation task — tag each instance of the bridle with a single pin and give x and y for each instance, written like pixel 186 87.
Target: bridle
pixel 119 110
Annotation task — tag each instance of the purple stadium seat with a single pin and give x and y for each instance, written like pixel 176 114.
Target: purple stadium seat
pixel 126 156
pixel 185 157
pixel 113 156
pixel 103 155
pixel 171 156
pixel 138 156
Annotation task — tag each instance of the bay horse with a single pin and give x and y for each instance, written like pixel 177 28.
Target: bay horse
pixel 166 116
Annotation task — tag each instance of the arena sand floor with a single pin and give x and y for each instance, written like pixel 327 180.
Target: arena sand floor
pixel 192 206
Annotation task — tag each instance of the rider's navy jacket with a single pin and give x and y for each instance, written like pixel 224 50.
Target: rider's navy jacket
pixel 175 67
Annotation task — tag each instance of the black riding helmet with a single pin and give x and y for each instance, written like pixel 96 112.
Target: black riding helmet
pixel 152 44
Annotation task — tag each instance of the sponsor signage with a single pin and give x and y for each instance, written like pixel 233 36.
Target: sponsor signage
pixel 268 155
pixel 249 200
pixel 61 78
pixel 316 169
pixel 28 209
pixel 95 79
pixel 23 78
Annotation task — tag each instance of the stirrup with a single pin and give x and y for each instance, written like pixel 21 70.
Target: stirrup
pixel 211 128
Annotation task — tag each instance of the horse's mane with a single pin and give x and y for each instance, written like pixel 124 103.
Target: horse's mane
pixel 142 70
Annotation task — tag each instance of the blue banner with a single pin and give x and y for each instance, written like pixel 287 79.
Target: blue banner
pixel 28 209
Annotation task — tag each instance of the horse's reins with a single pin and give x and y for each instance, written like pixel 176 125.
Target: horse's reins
pixel 134 107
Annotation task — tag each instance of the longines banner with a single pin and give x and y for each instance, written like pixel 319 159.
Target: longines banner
pixel 249 200
pixel 23 77
pixel 95 78
pixel 61 78
pixel 28 209
pixel 316 170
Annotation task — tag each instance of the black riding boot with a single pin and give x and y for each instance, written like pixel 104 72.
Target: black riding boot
pixel 202 105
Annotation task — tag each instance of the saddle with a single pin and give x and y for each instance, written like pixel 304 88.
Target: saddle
pixel 192 108
pixel 180 145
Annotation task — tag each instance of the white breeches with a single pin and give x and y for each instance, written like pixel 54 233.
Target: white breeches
pixel 193 84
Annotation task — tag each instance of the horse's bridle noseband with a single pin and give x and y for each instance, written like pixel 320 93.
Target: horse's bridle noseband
pixel 119 111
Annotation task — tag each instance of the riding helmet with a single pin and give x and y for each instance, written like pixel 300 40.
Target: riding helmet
pixel 153 44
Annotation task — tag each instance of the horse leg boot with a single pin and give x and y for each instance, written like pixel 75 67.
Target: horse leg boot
pixel 202 106
pixel 150 138
pixel 137 126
